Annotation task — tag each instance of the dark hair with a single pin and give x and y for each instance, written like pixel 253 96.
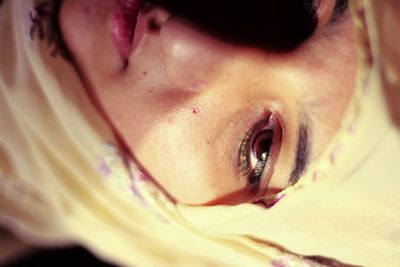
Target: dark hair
pixel 278 25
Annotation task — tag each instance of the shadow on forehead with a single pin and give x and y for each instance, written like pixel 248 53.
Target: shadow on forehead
pixel 280 25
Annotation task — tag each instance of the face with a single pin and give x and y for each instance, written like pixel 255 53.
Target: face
pixel 214 119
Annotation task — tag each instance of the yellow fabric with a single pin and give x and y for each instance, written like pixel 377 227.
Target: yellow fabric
pixel 62 180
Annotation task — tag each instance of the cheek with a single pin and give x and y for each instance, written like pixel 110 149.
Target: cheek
pixel 85 25
pixel 179 155
pixel 174 161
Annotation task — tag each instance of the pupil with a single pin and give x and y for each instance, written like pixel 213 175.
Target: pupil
pixel 262 143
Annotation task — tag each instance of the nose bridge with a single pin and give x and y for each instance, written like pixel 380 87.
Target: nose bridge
pixel 192 57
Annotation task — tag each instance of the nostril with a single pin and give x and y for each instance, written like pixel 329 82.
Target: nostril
pixel 153 26
pixel 149 22
pixel 154 17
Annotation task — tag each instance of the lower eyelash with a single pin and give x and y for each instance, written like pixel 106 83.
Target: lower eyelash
pixel 244 166
pixel 254 179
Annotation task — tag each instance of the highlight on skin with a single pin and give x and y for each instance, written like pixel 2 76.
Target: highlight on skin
pixel 198 118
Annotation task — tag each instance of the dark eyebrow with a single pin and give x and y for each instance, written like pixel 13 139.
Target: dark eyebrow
pixel 302 153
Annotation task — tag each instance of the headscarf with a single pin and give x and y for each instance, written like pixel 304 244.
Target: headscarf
pixel 63 179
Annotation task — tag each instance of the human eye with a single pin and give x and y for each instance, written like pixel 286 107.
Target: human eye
pixel 260 147
pixel 258 152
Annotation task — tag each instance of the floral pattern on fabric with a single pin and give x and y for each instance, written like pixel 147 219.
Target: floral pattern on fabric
pixel 130 180
pixel 45 26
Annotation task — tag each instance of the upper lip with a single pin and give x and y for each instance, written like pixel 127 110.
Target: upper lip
pixel 123 22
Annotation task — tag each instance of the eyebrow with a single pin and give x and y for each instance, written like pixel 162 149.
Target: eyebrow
pixel 302 153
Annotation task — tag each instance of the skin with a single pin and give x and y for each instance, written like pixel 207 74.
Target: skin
pixel 186 100
pixel 390 54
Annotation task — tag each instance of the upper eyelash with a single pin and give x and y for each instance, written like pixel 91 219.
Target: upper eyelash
pixel 254 178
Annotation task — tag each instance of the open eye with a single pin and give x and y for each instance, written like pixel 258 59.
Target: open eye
pixel 261 146
pixel 258 152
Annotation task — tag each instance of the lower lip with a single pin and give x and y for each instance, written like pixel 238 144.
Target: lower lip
pixel 123 22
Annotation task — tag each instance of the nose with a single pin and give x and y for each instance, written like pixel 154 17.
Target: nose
pixel 192 58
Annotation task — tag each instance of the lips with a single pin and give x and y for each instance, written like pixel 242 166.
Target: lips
pixel 123 22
